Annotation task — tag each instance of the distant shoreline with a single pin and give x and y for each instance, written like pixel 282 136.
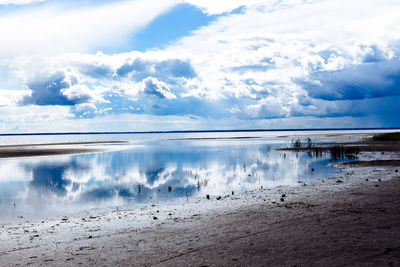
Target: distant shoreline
pixel 63 148
pixel 201 131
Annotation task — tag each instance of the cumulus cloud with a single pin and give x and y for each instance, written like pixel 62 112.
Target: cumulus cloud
pixel 139 68
pixel 56 88
pixel 96 70
pixel 366 80
pixel 154 87
pixel 85 110
pixel 12 97
pixel 383 109
pixel 47 90
pixel 124 83
pixel 267 108
pixel 270 61
pixel 220 6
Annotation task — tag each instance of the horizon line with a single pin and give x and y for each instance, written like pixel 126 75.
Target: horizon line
pixel 199 131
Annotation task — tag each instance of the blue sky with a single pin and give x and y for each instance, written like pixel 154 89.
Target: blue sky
pixel 138 65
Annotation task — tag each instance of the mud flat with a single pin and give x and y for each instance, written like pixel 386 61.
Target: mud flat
pixel 352 219
pixel 49 149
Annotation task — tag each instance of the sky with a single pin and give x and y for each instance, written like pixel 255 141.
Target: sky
pixel 160 65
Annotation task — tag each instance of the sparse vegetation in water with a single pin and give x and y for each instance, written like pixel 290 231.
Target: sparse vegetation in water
pixel 296 143
pixel 340 152
pixel 386 137
pixel 316 152
pixel 336 152
pixel 309 142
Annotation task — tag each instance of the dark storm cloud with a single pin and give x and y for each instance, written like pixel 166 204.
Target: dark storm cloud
pixel 367 80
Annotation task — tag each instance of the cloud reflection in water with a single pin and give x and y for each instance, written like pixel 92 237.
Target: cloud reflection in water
pixel 162 171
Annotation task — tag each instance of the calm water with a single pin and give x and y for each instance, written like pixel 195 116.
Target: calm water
pixel 148 169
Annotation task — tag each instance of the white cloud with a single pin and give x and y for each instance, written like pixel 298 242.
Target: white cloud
pixel 254 65
pixel 12 97
pixel 262 53
pixel 154 87
pixel 53 29
pixel 35 118
pixel 267 108
pixel 213 7
pixel 19 2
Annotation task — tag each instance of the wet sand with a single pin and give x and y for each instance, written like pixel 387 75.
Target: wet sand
pixel 352 219
pixel 48 149
pixel 34 152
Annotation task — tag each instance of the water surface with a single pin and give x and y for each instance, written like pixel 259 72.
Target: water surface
pixel 148 169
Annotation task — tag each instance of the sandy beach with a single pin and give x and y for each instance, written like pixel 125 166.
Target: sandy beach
pixel 351 219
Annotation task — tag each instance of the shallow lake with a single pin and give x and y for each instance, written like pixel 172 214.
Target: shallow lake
pixel 148 169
